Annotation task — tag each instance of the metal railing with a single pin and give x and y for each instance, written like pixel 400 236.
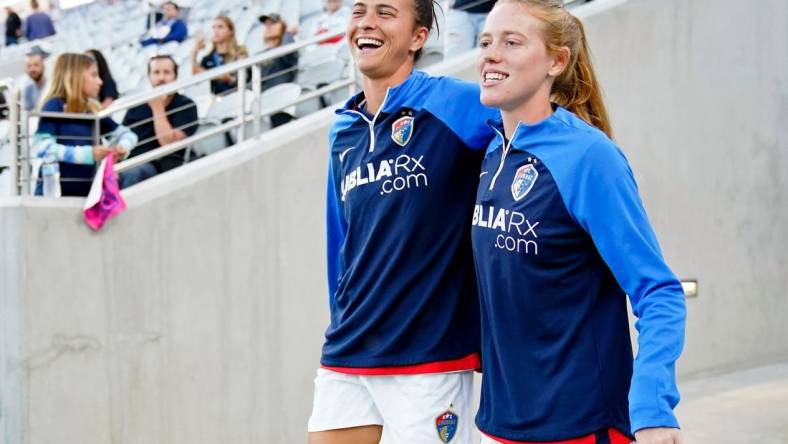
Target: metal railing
pixel 20 138
pixel 245 124
pixel 13 114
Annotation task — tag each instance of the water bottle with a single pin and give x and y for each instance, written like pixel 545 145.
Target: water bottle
pixel 50 172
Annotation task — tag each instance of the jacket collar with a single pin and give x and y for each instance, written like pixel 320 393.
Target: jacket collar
pixel 402 95
pixel 525 134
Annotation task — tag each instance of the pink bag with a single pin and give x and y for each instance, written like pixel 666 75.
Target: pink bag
pixel 104 200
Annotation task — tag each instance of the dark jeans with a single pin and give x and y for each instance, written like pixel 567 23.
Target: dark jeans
pixel 11 40
pixel 137 175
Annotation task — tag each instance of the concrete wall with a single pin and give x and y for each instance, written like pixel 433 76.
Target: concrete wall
pixel 197 315
pixel 699 98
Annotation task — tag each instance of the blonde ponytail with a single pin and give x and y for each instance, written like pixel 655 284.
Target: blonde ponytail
pixel 577 88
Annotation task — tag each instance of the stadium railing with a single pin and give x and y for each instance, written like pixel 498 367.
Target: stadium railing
pixel 12 110
pixel 245 124
pixel 240 123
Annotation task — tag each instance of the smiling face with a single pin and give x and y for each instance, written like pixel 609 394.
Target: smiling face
pixel 91 82
pixel 514 64
pixel 383 37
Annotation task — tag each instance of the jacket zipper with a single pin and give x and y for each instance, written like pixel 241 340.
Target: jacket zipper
pixel 371 123
pixel 506 146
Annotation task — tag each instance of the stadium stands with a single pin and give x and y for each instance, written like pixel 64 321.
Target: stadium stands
pixel 86 26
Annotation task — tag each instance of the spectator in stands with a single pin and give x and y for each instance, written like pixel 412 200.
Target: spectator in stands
pixel 3 107
pixel 464 23
pixel 38 25
pixel 35 83
pixel 161 121
pixel 13 27
pixel 334 17
pixel 282 69
pixel 109 90
pixel 70 141
pixel 169 29
pixel 55 13
pixel 224 49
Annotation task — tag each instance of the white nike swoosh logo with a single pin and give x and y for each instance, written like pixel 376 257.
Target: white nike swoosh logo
pixel 343 153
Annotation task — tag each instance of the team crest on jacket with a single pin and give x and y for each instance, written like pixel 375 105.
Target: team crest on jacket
pixel 402 130
pixel 446 424
pixel 523 181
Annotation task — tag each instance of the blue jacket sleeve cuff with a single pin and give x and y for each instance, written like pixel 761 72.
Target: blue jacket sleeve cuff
pixel 650 417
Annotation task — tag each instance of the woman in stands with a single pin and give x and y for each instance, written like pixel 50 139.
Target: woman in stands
pixel 560 237
pixel 403 341
pixel 70 141
pixel 109 90
pixel 224 49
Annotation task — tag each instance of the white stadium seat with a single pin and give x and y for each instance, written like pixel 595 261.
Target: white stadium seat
pixel 227 106
pixel 276 97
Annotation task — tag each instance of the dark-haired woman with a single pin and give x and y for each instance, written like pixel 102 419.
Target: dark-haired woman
pixel 560 238
pixel 403 341
pixel 109 90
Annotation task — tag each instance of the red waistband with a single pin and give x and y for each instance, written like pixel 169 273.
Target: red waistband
pixel 470 362
pixel 616 437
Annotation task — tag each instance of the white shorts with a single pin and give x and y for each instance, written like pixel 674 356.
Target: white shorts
pixel 413 409
pixel 487 440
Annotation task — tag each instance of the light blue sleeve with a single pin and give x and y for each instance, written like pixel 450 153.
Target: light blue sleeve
pixel 28 99
pixel 456 103
pixel 123 137
pixel 45 147
pixel 336 225
pixel 601 194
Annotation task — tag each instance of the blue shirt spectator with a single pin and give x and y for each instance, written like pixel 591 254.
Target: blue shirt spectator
pixel 71 140
pixel 169 29
pixel 35 83
pixel 38 25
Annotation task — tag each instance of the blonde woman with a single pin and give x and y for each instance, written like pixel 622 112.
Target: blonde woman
pixel 224 49
pixel 68 142
pixel 560 239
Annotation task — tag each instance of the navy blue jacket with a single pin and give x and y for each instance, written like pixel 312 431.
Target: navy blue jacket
pixel 75 179
pixel 400 190
pixel 560 237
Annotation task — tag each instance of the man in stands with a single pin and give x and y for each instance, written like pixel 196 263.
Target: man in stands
pixel 3 107
pixel 38 25
pixel 13 27
pixel 464 23
pixel 169 29
pixel 334 17
pixel 282 69
pixel 161 121
pixel 35 84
